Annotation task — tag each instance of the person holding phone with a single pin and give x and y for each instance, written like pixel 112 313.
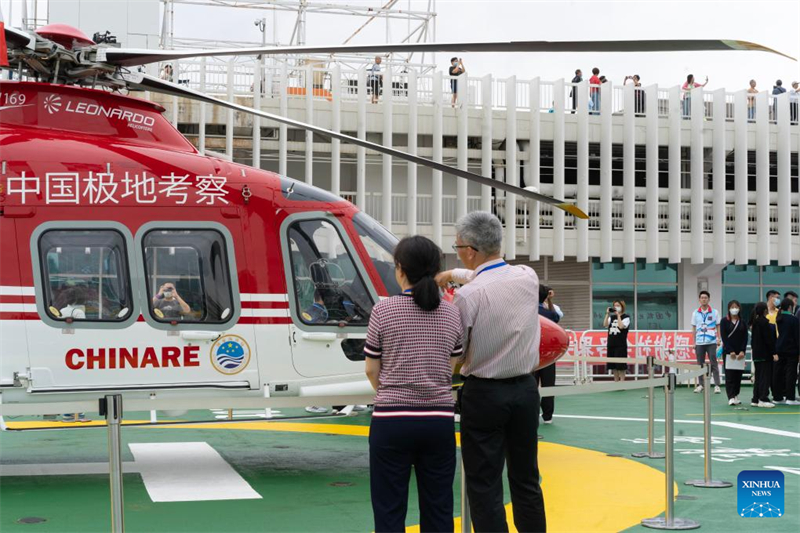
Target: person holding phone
pixel 456 69
pixel 617 323
pixel 168 303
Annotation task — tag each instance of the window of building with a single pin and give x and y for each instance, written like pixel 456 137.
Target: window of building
pixel 85 275
pixel 380 244
pixel 749 283
pixel 328 287
pixel 650 292
pixel 188 276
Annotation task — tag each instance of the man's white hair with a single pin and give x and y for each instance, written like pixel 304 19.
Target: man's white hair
pixel 481 230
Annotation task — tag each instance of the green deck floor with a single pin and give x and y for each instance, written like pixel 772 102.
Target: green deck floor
pixel 297 474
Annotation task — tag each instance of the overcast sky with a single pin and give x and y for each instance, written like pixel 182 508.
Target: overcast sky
pixel 774 24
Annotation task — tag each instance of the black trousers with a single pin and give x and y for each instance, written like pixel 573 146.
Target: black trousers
pixel 499 421
pixel 395 444
pixel 763 381
pixel 547 376
pixel 784 377
pixel 733 379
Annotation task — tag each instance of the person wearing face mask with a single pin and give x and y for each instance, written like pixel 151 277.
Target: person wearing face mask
pixel 788 349
pixel 763 344
pixel 734 345
pixel 617 323
pixel 773 299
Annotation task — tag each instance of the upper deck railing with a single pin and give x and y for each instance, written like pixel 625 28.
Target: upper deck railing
pixel 319 79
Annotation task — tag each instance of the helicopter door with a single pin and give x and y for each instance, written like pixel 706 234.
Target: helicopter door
pixel 330 298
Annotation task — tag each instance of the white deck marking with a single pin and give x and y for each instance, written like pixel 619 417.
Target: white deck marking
pixel 734 425
pixel 62 469
pixel 188 472
pixel 787 469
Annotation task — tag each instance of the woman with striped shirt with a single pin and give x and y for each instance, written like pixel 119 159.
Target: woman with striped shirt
pixel 413 343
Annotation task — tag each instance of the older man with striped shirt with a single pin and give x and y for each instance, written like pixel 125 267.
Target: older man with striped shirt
pixel 500 399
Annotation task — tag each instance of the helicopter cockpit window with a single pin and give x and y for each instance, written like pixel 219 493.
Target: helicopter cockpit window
pixel 85 275
pixel 380 244
pixel 328 288
pixel 188 276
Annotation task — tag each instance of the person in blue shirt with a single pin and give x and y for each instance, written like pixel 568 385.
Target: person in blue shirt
pixel 705 322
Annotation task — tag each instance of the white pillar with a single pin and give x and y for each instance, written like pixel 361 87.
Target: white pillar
pixel 283 142
pixel 629 176
pixel 697 175
pixel 606 251
pixel 462 159
pixel 533 172
pixel 762 178
pixel 651 186
pixel 486 141
pixel 336 120
pixel 258 72
pixel 436 185
pixel 411 203
pixel 742 255
pixel 582 90
pixel 201 130
pixel 674 158
pixel 512 176
pixel 309 156
pixel 176 77
pixel 361 152
pixel 784 183
pixel 229 121
pixel 558 168
pixel 718 151
pixel 386 179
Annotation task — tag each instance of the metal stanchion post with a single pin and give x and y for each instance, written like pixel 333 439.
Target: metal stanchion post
pixel 707 482
pixel 466 519
pixel 650 416
pixel 669 521
pixel 111 407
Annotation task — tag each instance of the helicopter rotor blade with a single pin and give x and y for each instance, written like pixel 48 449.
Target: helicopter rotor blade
pixel 150 83
pixel 128 57
pixel 16 38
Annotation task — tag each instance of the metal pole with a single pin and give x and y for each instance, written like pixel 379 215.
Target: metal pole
pixel 669 521
pixel 111 407
pixel 466 519
pixel 707 482
pixel 650 416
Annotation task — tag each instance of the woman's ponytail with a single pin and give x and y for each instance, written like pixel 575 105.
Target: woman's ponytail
pixel 426 294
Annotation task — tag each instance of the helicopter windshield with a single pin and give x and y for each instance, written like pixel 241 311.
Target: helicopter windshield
pixel 379 243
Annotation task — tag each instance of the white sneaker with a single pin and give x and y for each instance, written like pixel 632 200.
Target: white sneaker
pixel 316 410
pixel 766 404
pixel 792 402
pixel 716 389
pixel 778 402
pixel 732 401
pixel 754 404
pixel 699 388
pixel 737 401
pixel 360 408
pixel 548 421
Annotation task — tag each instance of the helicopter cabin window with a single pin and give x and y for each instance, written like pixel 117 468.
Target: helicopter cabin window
pixel 379 243
pixel 188 276
pixel 85 275
pixel 328 288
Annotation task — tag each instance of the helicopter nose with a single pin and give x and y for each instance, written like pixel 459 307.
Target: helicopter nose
pixel 553 344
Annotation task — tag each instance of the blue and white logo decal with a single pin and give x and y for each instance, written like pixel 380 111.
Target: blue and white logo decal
pixel 760 494
pixel 230 354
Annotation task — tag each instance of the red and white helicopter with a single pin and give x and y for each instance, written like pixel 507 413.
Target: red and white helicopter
pixel 134 265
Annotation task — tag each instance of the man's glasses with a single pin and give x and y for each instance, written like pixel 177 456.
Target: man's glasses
pixel 457 246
